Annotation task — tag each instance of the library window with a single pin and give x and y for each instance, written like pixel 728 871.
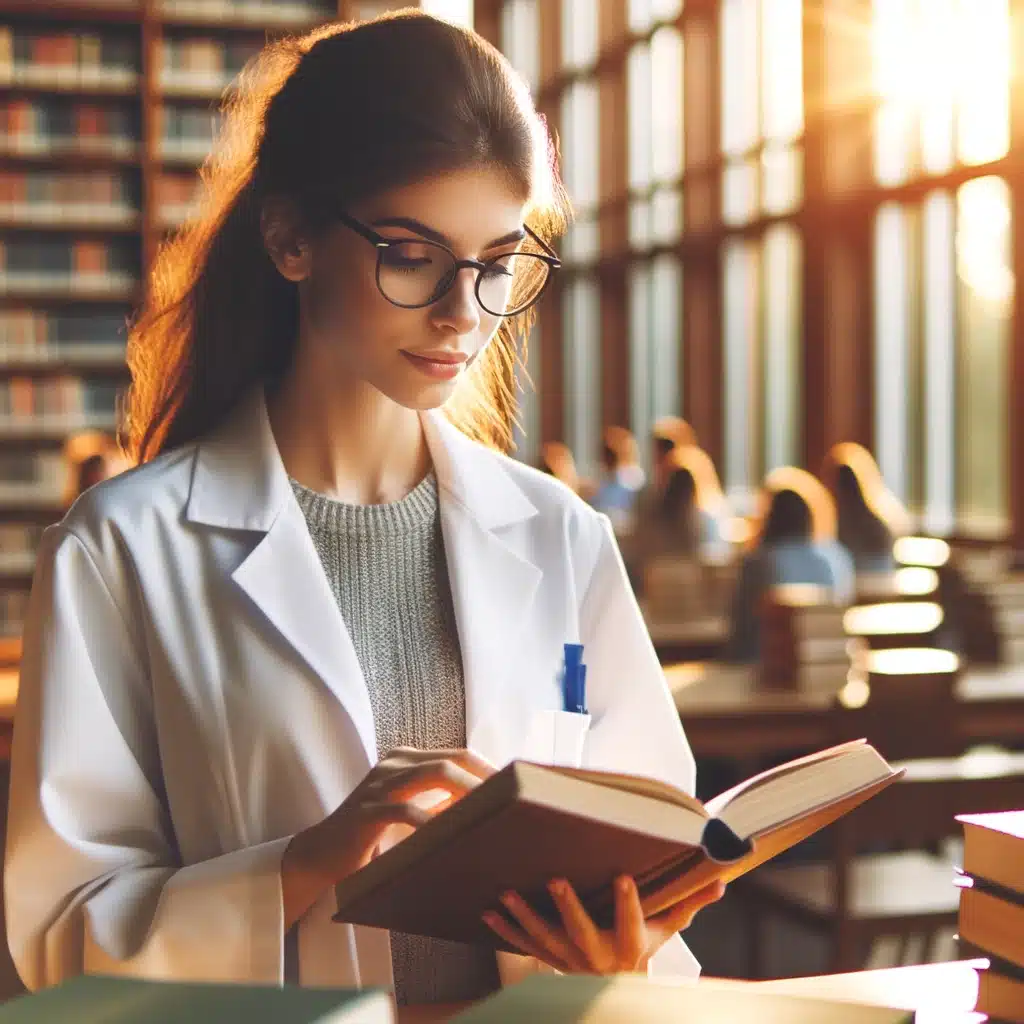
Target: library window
pixel 943 275
pixel 581 297
pixel 761 135
pixel 762 108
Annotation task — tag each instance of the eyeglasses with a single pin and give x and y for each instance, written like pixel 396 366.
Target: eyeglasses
pixel 414 273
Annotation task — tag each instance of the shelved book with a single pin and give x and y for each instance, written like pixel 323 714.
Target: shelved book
pixel 69 60
pixel 202 66
pixel 35 335
pixel 530 823
pixel 27 400
pixel 286 13
pixel 94 267
pixel 992 908
pixel 67 126
pixel 186 134
pixel 30 198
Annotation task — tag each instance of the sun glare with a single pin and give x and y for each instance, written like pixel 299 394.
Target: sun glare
pixel 941 72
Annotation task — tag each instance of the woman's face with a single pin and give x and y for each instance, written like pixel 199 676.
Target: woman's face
pixel 415 357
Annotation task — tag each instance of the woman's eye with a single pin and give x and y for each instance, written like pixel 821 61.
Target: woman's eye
pixel 402 261
pixel 497 270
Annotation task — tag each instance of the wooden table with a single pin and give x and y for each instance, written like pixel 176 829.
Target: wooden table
pixel 726 713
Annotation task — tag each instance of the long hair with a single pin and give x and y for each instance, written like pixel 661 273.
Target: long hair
pixel 324 120
pixel 794 506
pixel 708 495
pixel 867 509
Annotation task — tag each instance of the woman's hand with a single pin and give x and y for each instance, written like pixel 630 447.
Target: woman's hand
pixel 323 855
pixel 579 946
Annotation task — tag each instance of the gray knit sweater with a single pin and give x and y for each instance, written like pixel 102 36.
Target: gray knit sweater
pixel 386 566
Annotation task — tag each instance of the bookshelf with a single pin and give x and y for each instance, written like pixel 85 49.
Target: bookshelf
pixel 107 110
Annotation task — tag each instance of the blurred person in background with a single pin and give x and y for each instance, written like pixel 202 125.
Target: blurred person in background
pixel 667 435
pixel 623 478
pixel 556 459
pixel 91 457
pixel 794 543
pixel 693 517
pixel 870 517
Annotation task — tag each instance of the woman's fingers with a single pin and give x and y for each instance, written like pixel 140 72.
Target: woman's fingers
pixel 465 759
pixel 519 940
pixel 678 917
pixel 630 928
pixel 380 814
pixel 579 926
pixel 544 937
pixel 424 776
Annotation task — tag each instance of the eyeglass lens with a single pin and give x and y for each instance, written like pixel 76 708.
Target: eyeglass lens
pixel 418 273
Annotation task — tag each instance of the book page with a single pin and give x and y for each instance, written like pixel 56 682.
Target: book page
pixel 803 791
pixel 638 784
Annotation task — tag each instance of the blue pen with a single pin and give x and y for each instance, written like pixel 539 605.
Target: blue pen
pixel 574 674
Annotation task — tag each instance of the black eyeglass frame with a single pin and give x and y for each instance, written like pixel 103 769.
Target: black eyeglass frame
pixel 380 243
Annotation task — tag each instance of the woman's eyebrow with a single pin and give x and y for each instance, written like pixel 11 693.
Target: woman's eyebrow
pixel 411 224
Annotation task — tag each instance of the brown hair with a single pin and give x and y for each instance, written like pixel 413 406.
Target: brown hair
pixel 619 448
pixel 852 475
pixel 338 115
pixel 794 505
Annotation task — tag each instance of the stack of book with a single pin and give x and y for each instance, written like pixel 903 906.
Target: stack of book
pixel 804 644
pixel 1005 598
pixel 584 999
pixel 992 909
pixel 130 1001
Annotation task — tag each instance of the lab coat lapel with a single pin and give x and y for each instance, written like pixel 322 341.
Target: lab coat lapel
pixel 493 584
pixel 240 483
pixel 284 578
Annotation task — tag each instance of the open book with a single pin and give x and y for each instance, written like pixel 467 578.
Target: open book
pixel 530 823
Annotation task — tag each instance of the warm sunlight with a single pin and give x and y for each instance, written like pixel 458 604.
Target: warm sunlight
pixel 941 71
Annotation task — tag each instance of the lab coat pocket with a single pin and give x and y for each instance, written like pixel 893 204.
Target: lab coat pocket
pixel 557 737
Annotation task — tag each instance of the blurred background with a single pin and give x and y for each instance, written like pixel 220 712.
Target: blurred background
pixel 784 356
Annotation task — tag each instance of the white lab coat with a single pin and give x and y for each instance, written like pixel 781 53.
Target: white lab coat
pixel 190 699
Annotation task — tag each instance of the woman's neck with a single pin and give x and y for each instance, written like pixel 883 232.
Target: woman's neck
pixel 354 445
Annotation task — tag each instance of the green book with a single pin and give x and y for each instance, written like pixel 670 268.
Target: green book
pixel 633 999
pixel 94 999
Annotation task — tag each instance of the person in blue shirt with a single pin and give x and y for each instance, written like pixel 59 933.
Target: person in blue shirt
pixel 795 543
pixel 870 517
pixel 616 494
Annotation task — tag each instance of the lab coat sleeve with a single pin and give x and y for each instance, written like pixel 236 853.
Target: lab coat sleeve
pixel 93 879
pixel 635 726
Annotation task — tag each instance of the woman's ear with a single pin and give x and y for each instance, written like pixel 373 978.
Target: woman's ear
pixel 284 241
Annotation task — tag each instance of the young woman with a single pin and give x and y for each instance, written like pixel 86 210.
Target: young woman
pixel 319 597
pixel 795 543
pixel 870 518
pixel 622 479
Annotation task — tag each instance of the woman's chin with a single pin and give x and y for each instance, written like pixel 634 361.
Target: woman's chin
pixel 430 396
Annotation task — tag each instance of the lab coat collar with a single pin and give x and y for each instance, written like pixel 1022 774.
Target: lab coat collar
pixel 239 482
